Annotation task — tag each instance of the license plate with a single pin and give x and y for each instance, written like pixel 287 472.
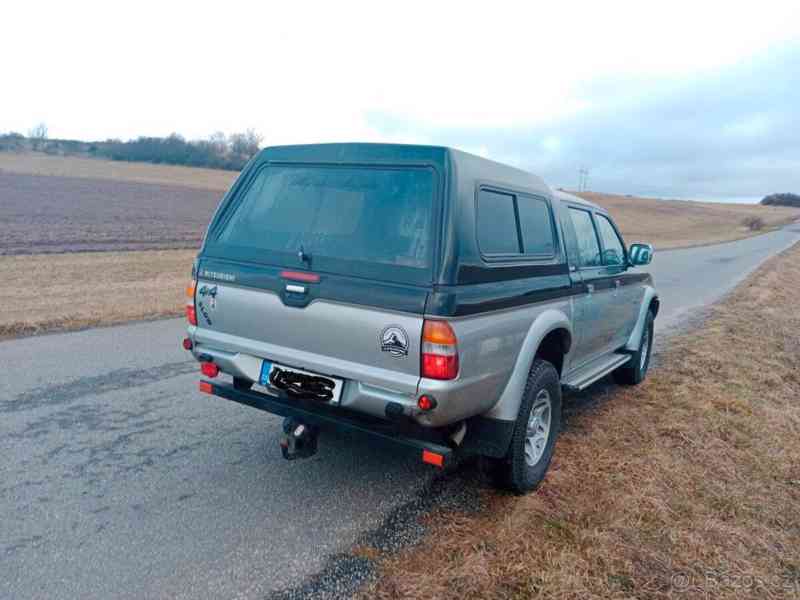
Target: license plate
pixel 298 383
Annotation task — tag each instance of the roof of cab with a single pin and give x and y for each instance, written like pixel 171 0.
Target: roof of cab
pixel 467 166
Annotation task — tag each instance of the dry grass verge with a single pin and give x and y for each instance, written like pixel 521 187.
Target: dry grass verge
pixel 72 291
pixel 687 486
pixel 681 223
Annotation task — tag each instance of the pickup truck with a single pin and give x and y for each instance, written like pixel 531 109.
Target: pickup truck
pixel 432 300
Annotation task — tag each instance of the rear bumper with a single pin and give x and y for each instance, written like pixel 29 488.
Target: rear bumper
pixel 401 438
pixel 326 417
pixel 367 390
pixel 357 395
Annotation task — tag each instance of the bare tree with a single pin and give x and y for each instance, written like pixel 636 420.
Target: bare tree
pixel 246 144
pixel 219 143
pixel 39 135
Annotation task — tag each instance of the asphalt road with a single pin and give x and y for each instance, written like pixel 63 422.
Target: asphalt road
pixel 119 480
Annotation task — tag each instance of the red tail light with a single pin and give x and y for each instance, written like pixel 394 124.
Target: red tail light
pixel 300 276
pixel 209 369
pixel 439 351
pixel 191 313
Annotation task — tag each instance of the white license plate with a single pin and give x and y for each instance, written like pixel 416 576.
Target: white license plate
pixel 268 367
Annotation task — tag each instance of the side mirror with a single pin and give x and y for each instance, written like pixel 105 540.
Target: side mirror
pixel 640 254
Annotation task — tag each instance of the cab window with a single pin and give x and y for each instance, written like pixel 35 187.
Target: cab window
pixel 588 245
pixel 613 250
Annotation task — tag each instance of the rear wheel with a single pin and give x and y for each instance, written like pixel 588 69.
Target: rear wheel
pixel 635 370
pixel 535 432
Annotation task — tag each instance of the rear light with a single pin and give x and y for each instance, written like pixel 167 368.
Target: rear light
pixel 426 402
pixel 209 369
pixel 300 276
pixel 191 313
pixel 433 458
pixel 187 344
pixel 206 387
pixel 439 351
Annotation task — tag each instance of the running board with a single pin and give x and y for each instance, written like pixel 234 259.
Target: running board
pixel 597 369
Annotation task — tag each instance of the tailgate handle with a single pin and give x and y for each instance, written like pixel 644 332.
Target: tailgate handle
pixel 296 289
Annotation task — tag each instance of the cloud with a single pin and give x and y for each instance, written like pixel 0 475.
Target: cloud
pixel 652 97
pixel 727 133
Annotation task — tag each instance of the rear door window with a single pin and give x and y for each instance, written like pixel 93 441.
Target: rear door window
pixel 342 217
pixel 613 250
pixel 497 223
pixel 588 244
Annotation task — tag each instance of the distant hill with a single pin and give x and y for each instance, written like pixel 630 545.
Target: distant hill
pixel 786 199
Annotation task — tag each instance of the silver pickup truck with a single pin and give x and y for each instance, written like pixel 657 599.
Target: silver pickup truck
pixel 427 298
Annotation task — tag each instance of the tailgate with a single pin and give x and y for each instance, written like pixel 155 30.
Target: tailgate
pixel 331 324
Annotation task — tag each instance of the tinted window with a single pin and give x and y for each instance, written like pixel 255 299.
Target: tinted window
pixel 497 223
pixel 536 227
pixel 588 246
pixel 569 238
pixel 349 213
pixel 613 251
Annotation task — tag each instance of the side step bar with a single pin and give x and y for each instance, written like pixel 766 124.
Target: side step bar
pixel 322 415
pixel 588 374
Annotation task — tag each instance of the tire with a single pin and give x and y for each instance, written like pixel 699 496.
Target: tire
pixel 635 370
pixel 242 384
pixel 528 457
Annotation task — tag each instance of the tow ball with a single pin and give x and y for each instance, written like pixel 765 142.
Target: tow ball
pixel 299 439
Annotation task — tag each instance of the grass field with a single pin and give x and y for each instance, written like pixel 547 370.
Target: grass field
pixel 68 291
pixel 679 224
pixel 685 487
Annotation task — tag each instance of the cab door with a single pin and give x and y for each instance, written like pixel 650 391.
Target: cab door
pixel 593 303
pixel 626 295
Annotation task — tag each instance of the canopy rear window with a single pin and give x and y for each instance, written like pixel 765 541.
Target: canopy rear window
pixel 353 220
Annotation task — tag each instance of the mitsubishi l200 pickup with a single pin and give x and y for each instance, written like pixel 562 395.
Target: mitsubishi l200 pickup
pixel 427 298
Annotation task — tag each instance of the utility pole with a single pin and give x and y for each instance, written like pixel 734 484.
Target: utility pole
pixel 583 179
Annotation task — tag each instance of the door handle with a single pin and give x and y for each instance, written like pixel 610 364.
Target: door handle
pixel 617 283
pixel 590 288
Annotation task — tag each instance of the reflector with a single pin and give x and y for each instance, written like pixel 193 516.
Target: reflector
pixel 437 460
pixel 209 369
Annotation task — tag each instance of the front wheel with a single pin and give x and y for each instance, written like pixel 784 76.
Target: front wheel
pixel 535 431
pixel 635 370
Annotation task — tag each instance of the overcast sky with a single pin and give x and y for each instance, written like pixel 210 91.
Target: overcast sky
pixel 695 100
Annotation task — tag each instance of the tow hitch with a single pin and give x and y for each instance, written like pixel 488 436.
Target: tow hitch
pixel 299 439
